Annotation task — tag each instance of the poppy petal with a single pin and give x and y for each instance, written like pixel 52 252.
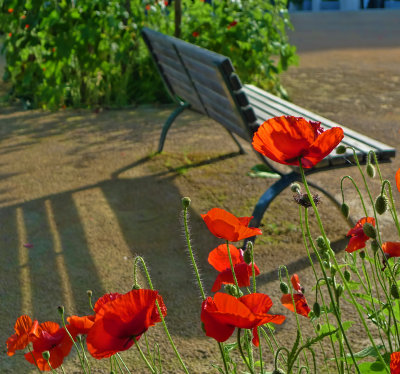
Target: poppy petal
pixel 20 339
pixel 324 145
pixel 104 300
pixel 296 283
pixel 397 176
pixel 395 363
pixel 219 259
pixel 302 307
pixel 225 225
pixel 81 325
pixel 392 249
pixel 213 328
pixel 243 273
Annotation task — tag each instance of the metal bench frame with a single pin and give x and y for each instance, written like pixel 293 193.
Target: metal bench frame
pixel 206 82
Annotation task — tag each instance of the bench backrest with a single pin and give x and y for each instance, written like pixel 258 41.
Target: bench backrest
pixel 204 79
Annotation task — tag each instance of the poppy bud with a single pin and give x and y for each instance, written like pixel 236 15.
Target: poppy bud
pixel 369 230
pixel 326 264
pixel 249 246
pixel 347 275
pixel 233 290
pixel 374 246
pixel 394 291
pixel 247 257
pixel 344 208
pixel 186 202
pixel 317 309
pixel 340 149
pixel 136 287
pixel 46 355
pixel 339 290
pixel 371 170
pixel 318 327
pixel 60 310
pixel 333 271
pixel 325 256
pixel 381 204
pixel 278 371
pixel 284 287
pixel 321 244
pixel 295 187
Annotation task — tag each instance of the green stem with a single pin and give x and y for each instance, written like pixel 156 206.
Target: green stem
pixel 143 356
pixel 187 236
pixel 322 230
pixel 260 352
pixel 137 259
pixel 232 267
pixel 122 362
pixel 34 359
pixel 221 348
pixel 358 191
pixel 242 353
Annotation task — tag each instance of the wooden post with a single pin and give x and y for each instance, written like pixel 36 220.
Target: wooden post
pixel 178 17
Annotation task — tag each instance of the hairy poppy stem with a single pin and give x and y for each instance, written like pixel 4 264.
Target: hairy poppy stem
pixel 322 230
pixel 221 348
pixel 358 191
pixel 189 245
pixel 137 259
pixel 242 353
pixel 232 268
pixel 146 361
pixel 118 356
pixel 34 359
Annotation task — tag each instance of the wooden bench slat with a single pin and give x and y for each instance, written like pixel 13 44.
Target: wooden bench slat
pixel 187 94
pixel 216 115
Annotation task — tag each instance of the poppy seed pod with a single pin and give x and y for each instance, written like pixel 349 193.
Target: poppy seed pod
pixel 46 355
pixel 362 254
pixel 340 149
pixel 394 291
pixel 284 287
pixel 371 170
pixel 347 275
pixel 344 208
pixel 317 309
pixel 186 202
pixel 381 204
pixel 295 187
pixel 369 230
pixel 89 293
pixel 233 290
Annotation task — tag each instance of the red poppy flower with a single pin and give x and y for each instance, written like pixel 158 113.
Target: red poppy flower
pixel 10 10
pixel 398 179
pixel 9 34
pixel 284 139
pixel 195 34
pixel 53 338
pixel 27 26
pixel 219 259
pixel 232 24
pixel 105 299
pixel 357 235
pixel 225 225
pixel 395 363
pixel 223 313
pixel 300 301
pixel 391 249
pixel 118 322
pixel 148 7
pixel 23 328
pixel 80 325
pixel 296 283
pixel 23 16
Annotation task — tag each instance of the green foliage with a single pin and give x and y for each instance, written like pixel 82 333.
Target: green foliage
pixel 90 52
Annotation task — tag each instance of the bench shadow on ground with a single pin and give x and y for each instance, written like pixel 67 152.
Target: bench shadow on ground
pixel 60 266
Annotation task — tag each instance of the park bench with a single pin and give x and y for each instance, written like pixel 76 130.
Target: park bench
pixel 205 81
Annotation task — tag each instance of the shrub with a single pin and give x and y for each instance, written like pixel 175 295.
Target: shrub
pixel 90 52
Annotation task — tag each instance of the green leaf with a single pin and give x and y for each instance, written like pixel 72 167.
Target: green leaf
pixel 372 367
pixel 368 352
pixel 262 171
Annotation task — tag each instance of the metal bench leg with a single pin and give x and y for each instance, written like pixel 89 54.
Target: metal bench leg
pixel 241 150
pixel 168 124
pixel 266 199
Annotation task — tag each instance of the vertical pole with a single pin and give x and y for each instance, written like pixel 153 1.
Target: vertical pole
pixel 178 17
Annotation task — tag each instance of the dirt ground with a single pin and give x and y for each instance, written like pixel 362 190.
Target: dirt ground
pixel 84 190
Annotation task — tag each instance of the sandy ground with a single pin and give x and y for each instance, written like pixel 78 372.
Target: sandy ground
pixel 83 190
